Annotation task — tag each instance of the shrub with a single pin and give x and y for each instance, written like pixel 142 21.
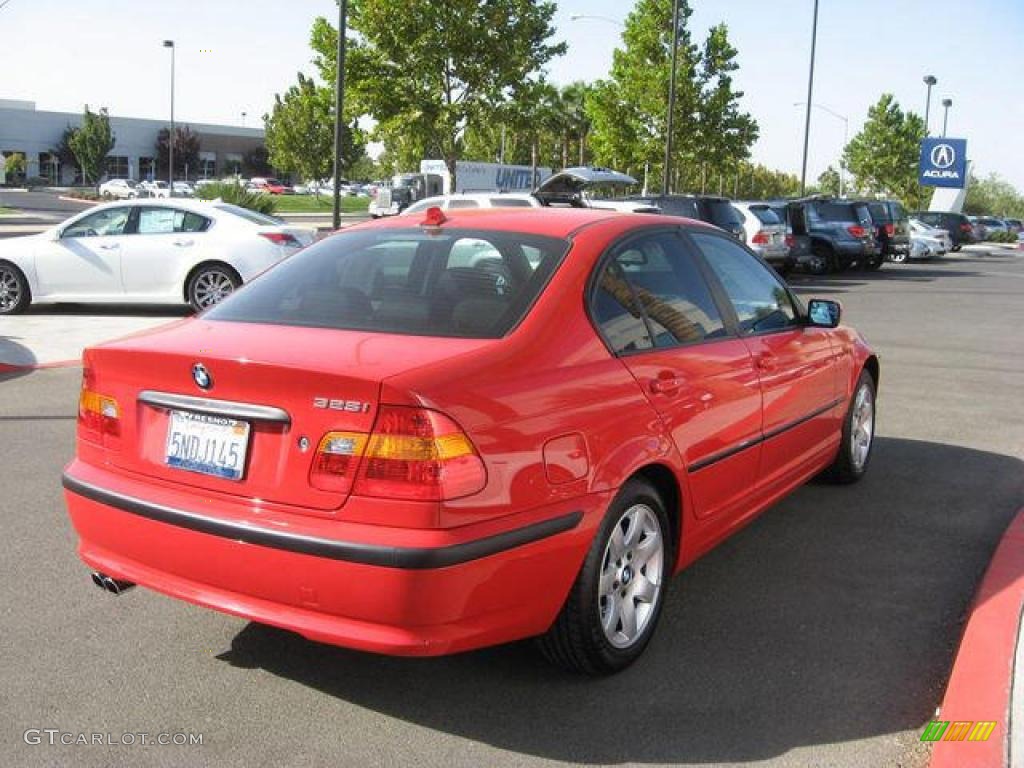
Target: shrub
pixel 1002 237
pixel 236 194
pixel 83 194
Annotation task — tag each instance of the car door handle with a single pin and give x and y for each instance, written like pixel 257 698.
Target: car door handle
pixel 110 246
pixel 666 383
pixel 183 243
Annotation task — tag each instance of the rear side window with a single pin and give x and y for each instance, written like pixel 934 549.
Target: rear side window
pixel 652 294
pixel 459 283
pixel 162 221
pixel 723 214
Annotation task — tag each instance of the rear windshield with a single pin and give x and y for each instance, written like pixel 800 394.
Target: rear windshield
pixel 840 212
pixel 765 215
pixel 251 216
pixel 723 214
pixel 462 283
pixel 678 206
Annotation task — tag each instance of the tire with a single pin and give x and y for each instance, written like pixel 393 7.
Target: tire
pixel 898 258
pixel 15 295
pixel 854 455
pixel 209 284
pixel 874 263
pixel 593 633
pixel 824 260
pixel 957 248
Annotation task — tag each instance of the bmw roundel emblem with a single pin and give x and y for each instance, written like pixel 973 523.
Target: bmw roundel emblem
pixel 201 376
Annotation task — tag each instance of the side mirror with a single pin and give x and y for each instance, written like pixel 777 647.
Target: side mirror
pixel 823 313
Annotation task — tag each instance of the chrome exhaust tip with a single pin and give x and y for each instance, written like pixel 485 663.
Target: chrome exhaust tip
pixel 109 583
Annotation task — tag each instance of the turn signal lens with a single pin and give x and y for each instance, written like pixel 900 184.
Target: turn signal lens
pixel 336 461
pixel 415 453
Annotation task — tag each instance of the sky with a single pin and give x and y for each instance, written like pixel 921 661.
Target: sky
pixel 234 55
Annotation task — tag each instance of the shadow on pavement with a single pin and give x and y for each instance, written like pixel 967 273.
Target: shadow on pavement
pixel 833 617
pixel 110 310
pixel 15 359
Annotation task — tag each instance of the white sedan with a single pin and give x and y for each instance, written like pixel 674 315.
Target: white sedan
pixel 144 251
pixel 121 189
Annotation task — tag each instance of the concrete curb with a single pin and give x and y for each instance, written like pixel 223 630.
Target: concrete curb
pixel 981 684
pixel 79 200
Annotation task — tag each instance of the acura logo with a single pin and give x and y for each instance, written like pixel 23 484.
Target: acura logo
pixel 201 376
pixel 943 156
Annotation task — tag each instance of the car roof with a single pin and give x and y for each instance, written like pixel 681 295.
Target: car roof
pixel 205 207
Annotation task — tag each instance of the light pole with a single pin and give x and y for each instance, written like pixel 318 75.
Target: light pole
pixel 929 80
pixel 243 119
pixel 170 136
pixel 846 140
pixel 946 104
pixel 669 123
pixel 339 105
pixel 810 100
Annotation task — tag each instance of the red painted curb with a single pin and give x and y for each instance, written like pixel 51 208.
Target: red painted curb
pixel 7 368
pixel 980 687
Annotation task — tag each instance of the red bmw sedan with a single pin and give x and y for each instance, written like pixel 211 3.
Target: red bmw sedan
pixel 421 437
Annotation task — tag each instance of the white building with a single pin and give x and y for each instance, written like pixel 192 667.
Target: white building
pixel 35 133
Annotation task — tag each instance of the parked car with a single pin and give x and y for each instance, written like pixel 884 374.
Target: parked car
pixel 271 186
pixel 714 210
pixel 184 189
pixel 934 242
pixel 801 257
pixel 959 227
pixel 155 189
pixel 842 233
pixel 1015 226
pixel 168 252
pixel 591 187
pixel 992 225
pixel 893 228
pixel 766 234
pixel 121 189
pixel 524 442
pixel 474 200
pixel 980 230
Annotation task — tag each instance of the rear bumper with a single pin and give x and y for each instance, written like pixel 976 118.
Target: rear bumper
pixel 374 588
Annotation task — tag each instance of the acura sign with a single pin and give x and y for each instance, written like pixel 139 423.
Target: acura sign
pixel 943 163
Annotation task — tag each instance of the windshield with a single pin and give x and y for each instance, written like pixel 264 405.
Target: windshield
pixel 457 283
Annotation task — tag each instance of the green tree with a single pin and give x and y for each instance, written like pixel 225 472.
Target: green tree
pixel 628 110
pixel 186 151
pixel 426 70
pixel 828 182
pixel 993 196
pixel 14 167
pixel 300 132
pixel 883 156
pixel 91 143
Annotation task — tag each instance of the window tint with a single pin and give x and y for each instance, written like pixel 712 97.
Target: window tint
pixel 723 214
pixel 834 212
pixel 161 221
pixel 680 206
pixel 463 204
pixel 110 221
pixel 760 300
pixel 510 202
pixel 650 287
pixel 765 215
pixel 464 283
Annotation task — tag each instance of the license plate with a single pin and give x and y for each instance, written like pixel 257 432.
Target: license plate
pixel 210 445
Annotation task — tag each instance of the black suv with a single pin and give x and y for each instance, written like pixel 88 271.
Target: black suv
pixel 893 228
pixel 713 210
pixel 841 232
pixel 960 229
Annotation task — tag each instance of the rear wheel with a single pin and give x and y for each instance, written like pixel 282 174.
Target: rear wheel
pixel 14 292
pixel 613 607
pixel 822 259
pixel 210 284
pixel 898 257
pixel 858 434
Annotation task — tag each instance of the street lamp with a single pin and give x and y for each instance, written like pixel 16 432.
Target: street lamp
pixel 339 104
pixel 946 103
pixel 929 80
pixel 846 140
pixel 669 127
pixel 810 98
pixel 170 137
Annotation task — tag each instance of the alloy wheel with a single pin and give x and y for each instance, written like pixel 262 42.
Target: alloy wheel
pixel 10 289
pixel 862 427
pixel 210 287
pixel 632 575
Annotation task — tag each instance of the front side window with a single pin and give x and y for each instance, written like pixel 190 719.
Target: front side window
pixel 108 222
pixel 459 283
pixel 761 302
pixel 652 294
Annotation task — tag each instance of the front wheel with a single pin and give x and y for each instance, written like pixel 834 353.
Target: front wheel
pixel 14 292
pixel 858 434
pixel 613 607
pixel 210 285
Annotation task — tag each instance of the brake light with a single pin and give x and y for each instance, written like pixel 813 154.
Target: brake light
pixel 98 414
pixel 965 227
pixel 415 453
pixel 890 230
pixel 790 241
pixel 856 230
pixel 336 461
pixel 282 238
pixel 761 238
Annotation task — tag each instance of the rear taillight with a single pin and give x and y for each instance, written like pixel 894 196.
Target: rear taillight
pixel 965 227
pixel 282 238
pixel 336 461
pixel 890 229
pixel 761 238
pixel 415 453
pixel 98 415
pixel 856 230
pixel 790 241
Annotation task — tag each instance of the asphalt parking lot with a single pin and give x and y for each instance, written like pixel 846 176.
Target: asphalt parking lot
pixel 822 635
